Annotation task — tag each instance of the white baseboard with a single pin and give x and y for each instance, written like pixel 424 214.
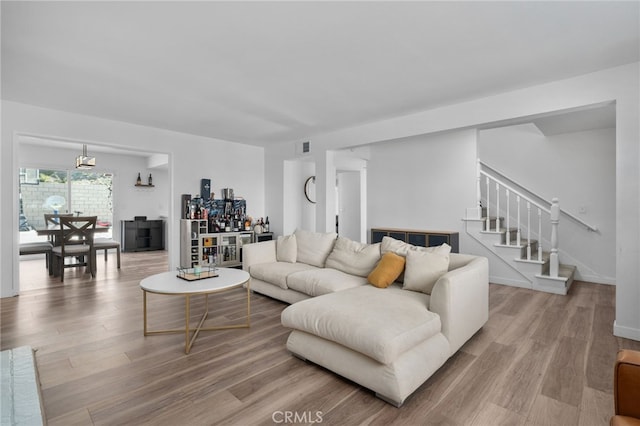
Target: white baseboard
pixel 510 282
pixel 595 279
pixel 626 332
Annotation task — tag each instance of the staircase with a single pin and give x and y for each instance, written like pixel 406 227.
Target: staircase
pixel 510 225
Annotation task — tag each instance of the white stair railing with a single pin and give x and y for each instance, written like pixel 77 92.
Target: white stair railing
pixel 503 204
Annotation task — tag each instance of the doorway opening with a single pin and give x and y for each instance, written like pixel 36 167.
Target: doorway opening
pixel 50 191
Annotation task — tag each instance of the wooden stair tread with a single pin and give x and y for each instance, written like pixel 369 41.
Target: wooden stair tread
pixel 565 272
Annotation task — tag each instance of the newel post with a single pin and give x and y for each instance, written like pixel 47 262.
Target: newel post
pixel 554 264
pixel 478 191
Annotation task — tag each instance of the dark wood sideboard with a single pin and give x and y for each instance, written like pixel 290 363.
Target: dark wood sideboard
pixel 418 237
pixel 142 235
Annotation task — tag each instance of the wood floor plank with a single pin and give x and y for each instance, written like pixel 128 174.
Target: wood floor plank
pixel 550 324
pixel 564 377
pixel 596 407
pixel 579 323
pixel 465 399
pixel 550 412
pixel 97 368
pixel 521 383
pixel 491 414
pixel 526 322
pixel 603 348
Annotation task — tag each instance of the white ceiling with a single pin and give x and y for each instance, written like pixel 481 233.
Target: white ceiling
pixel 261 72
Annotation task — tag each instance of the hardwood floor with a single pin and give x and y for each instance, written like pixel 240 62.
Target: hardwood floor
pixel 541 359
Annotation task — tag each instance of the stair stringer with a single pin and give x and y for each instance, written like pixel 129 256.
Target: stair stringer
pixel 521 279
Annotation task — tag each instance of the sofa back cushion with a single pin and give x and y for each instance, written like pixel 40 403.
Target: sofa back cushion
pixel 423 268
pixel 353 257
pixel 402 249
pixel 314 247
pixel 286 249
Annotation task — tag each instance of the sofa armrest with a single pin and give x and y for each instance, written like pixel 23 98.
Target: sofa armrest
pixel 461 298
pixel 254 253
pixel 626 387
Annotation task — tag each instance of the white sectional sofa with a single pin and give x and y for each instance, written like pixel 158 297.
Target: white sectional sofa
pixel 389 338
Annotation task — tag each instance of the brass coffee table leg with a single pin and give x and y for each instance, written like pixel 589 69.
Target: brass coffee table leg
pixel 187 314
pixel 144 310
pixel 189 342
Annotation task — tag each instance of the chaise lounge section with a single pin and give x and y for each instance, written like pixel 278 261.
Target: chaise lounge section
pixel 388 338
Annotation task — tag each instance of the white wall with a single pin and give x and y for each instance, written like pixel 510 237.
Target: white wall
pixel 424 182
pixel 299 213
pixel 619 85
pixel 579 169
pixel 227 164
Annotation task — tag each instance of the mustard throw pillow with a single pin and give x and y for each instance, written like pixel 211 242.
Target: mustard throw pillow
pixel 387 271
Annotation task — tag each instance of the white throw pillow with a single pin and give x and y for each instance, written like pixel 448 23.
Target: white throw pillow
pixel 423 269
pixel 394 246
pixel 401 248
pixel 353 257
pixel 286 249
pixel 314 247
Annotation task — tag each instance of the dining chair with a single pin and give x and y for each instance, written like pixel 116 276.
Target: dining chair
pixel 76 241
pixel 106 244
pixel 52 221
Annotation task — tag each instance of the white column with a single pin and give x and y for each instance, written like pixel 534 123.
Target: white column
pixel 325 192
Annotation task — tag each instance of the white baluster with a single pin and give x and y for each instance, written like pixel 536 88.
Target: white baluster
pixel 508 221
pixel 539 234
pixel 518 224
pixel 488 227
pixel 497 207
pixel 554 264
pixel 528 230
pixel 478 192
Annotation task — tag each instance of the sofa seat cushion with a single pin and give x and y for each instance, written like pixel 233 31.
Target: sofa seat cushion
pixel 316 282
pixel 379 323
pixel 276 273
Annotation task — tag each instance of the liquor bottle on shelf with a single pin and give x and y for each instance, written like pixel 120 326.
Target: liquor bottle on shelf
pixel 266 225
pixel 138 180
pixel 150 180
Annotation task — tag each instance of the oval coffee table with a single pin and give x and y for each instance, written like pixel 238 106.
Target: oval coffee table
pixel 168 283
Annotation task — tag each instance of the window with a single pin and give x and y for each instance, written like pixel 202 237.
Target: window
pixel 63 191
